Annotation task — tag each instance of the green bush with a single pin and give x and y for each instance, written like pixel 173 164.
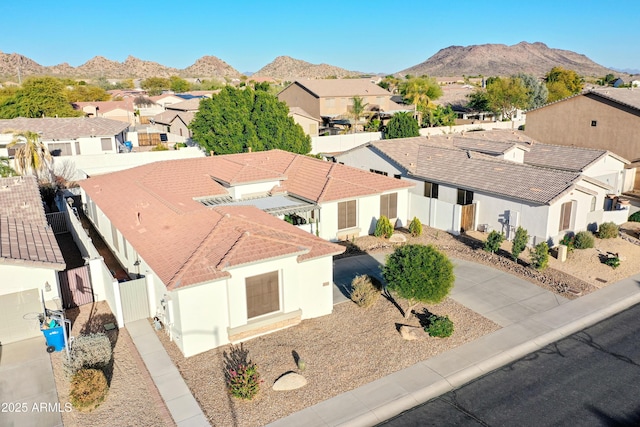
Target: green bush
pixel 540 256
pixel 383 227
pixel 635 217
pixel 402 125
pixel 363 291
pixel 241 374
pixel 584 240
pixel 608 230
pixel 520 241
pixel 160 147
pixel 613 262
pixel 569 241
pixel 419 273
pixel 439 326
pixel 88 389
pixel 494 240
pixel 92 351
pixel 415 227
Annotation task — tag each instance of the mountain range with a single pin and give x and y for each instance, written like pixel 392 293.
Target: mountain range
pixel 486 59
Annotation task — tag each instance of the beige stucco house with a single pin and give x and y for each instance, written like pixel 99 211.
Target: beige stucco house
pixel 307 122
pixel 606 119
pixel 332 98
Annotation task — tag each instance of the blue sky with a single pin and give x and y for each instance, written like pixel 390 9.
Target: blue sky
pixel 368 36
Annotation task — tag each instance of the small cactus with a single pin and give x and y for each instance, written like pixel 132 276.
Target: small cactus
pixel 302 365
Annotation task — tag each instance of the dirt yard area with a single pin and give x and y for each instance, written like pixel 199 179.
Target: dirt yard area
pixel 133 399
pixel 344 350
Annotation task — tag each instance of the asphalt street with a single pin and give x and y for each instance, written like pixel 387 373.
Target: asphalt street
pixel 591 378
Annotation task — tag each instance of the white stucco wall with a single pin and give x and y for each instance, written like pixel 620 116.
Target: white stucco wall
pixel 609 170
pixel 238 191
pixel 203 313
pixel 16 278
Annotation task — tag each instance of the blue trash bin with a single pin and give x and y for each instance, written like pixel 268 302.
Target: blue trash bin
pixel 54 337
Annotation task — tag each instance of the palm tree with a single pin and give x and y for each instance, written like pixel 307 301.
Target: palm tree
pixel 420 91
pixel 357 110
pixel 32 156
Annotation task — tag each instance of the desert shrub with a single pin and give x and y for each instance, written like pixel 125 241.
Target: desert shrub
pixel 439 326
pixel 613 262
pixel 419 273
pixel 635 217
pixel 494 240
pixel 415 227
pixel 540 256
pixel 584 240
pixel 608 230
pixel 160 147
pixel 241 374
pixel 88 389
pixel 92 351
pixel 383 227
pixel 520 241
pixel 569 241
pixel 364 292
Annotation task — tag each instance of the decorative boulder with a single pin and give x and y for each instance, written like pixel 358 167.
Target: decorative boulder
pixel 289 381
pixel 411 333
pixel 397 238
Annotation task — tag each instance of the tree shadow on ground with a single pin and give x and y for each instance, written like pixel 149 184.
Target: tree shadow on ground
pixel 424 317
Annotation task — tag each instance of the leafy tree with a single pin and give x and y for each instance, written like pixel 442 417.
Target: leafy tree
pixel 479 100
pixel 373 125
pixel 87 93
pixel 439 116
pixel 537 91
pixel 562 83
pixel 418 274
pixel 402 125
pixel 520 241
pixel 494 240
pixel 5 168
pixel 38 97
pixel 155 85
pixel 179 85
pixel 207 85
pixel 506 95
pixel 357 110
pixel 238 119
pixel 263 86
pixel 540 256
pixel 32 156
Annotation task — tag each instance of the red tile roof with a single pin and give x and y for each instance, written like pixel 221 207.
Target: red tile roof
pixel 24 234
pixel 186 243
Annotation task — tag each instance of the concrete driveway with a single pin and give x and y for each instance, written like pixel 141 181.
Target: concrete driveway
pixel 498 296
pixel 28 395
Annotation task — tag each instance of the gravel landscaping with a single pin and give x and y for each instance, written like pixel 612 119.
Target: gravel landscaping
pixel 133 399
pixel 344 350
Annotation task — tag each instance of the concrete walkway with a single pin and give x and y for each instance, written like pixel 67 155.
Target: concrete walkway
pixel 531 321
pixel 183 407
pixel 26 379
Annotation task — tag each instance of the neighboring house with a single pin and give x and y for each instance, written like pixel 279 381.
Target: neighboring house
pixel 467 183
pixel 332 99
pixel 167 99
pixel 617 82
pixel 634 83
pixel 30 260
pixel 123 111
pixel 173 121
pixel 208 235
pixel 73 136
pixel 308 123
pixel 606 119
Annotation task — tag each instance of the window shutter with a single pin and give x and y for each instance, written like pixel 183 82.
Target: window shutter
pixel 263 295
pixel 351 214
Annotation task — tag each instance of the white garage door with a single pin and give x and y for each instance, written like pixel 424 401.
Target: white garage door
pixel 17 311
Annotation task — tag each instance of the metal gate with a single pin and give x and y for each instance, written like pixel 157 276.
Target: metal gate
pixel 135 301
pixel 467 218
pixel 76 287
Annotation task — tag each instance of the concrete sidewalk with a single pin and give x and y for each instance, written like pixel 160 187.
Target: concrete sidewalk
pixel 174 391
pixel 531 321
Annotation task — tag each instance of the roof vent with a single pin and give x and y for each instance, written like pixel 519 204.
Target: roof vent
pixel 25 205
pixel 412 164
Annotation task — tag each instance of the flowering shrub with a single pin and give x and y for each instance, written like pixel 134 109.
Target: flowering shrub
pixel 241 374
